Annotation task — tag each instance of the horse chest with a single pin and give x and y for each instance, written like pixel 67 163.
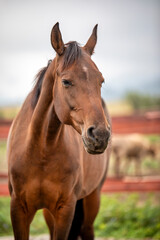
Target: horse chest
pixel 45 183
pixel 45 192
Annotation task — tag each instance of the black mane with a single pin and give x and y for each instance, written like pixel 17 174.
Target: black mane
pixel 38 84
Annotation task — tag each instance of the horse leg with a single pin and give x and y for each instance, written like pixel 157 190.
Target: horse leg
pixel 77 221
pixel 138 163
pixel 127 164
pixel 21 219
pixel 50 222
pixel 91 205
pixel 63 217
pixel 117 166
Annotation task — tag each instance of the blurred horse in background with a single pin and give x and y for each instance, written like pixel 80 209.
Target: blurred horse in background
pixel 131 148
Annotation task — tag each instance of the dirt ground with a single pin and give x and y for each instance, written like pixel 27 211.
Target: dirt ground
pixel 45 237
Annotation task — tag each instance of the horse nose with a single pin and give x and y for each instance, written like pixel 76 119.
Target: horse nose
pixel 98 135
pixel 90 133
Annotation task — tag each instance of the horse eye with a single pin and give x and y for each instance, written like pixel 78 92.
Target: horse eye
pixel 66 83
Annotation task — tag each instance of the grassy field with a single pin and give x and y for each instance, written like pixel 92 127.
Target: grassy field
pixel 121 216
pixel 129 216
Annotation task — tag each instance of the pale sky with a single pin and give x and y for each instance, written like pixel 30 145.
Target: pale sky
pixel 127 51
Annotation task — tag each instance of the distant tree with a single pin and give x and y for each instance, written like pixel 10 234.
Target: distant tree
pixel 143 101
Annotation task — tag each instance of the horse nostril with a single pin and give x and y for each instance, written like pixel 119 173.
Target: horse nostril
pixel 98 135
pixel 108 135
pixel 90 132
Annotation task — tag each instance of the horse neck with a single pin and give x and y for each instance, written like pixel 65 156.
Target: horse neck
pixel 52 128
pixel 44 123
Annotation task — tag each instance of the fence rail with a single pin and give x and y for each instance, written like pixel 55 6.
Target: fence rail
pixel 148 123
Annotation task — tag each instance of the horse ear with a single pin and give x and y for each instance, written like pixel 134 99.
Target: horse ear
pixel 56 39
pixel 90 45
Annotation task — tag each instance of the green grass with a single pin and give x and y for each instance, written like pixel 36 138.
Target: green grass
pixel 153 138
pixel 5 224
pixel 124 217
pixel 120 216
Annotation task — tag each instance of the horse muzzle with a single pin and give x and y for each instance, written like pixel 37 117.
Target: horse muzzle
pixel 96 139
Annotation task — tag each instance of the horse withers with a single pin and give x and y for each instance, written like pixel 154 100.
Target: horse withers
pixel 57 145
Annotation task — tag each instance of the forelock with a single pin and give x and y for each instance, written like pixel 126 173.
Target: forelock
pixel 71 54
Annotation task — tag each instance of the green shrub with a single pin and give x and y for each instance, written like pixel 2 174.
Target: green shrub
pixel 123 218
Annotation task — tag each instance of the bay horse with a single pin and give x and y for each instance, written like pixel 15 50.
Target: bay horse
pixel 59 145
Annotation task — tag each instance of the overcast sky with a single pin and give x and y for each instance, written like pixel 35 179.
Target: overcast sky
pixel 127 51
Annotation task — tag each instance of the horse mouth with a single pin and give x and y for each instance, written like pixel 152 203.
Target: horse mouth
pixel 93 149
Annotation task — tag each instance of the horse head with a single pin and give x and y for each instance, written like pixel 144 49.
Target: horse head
pixel 77 91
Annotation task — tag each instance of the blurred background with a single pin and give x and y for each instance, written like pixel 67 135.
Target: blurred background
pixel 127 50
pixel 128 55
